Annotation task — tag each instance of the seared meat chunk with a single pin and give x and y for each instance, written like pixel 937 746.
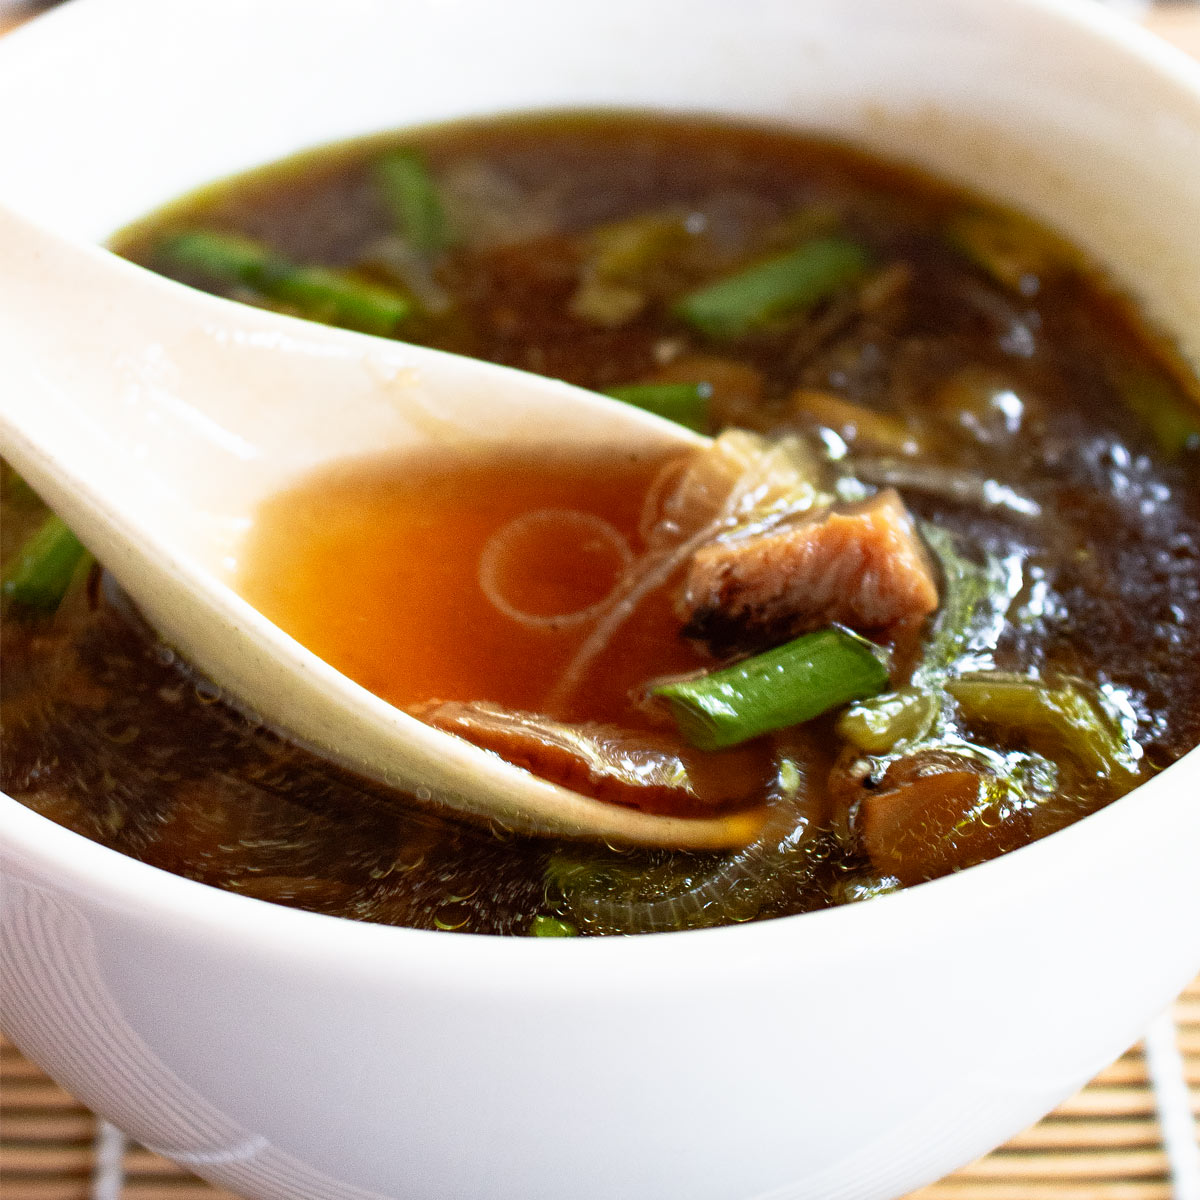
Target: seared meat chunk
pixel 862 565
pixel 656 772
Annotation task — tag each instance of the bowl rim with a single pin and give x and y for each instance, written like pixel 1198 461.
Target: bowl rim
pixel 114 880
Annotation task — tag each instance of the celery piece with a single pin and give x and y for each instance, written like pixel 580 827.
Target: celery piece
pixel 1066 713
pixel 888 719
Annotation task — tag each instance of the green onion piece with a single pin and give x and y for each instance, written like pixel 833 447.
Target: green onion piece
pixel 786 686
pixel 1172 421
pixel 224 257
pixel 796 281
pixel 41 572
pixel 627 263
pixel 543 926
pixel 1065 713
pixel 684 403
pixel 408 192
pixel 318 293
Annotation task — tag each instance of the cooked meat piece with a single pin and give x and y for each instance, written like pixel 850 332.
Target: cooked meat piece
pixel 862 566
pixel 653 772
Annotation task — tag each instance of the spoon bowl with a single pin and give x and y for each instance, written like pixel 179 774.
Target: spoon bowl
pixel 156 419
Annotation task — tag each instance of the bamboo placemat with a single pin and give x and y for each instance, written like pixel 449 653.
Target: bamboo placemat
pixel 1132 1134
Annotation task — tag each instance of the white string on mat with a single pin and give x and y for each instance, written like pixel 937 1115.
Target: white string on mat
pixel 108 1167
pixel 1180 1129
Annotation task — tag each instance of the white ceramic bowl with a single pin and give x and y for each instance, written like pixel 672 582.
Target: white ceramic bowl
pixel 852 1053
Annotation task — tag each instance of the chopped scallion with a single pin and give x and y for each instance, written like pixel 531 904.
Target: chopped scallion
pixel 793 282
pixel 319 293
pixel 407 190
pixel 39 575
pixel 785 686
pixel 684 403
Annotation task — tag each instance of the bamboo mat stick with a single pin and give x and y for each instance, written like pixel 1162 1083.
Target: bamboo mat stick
pixel 108 1170
pixel 1164 1061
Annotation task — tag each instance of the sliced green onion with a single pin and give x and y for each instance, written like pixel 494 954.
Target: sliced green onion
pixel 684 403
pixel 543 926
pixel 627 263
pixel 319 293
pixel 1066 713
pixel 794 282
pixel 407 190
pixel 224 257
pixel 39 575
pixel 786 686
pixel 604 303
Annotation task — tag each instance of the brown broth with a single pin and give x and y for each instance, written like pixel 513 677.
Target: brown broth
pixel 405 538
pixel 107 733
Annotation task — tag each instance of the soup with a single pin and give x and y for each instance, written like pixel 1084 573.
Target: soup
pixel 953 499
